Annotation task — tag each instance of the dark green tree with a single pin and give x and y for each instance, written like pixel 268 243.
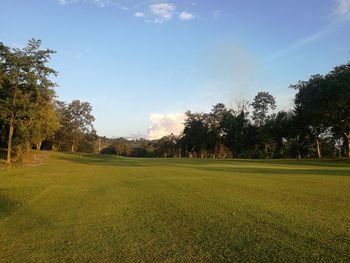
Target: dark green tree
pixel 196 134
pixel 309 107
pixel 336 102
pixel 215 118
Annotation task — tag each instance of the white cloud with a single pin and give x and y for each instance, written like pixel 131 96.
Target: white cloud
pixel 99 3
pixel 164 11
pixel 185 16
pixel 152 10
pixel 165 124
pixel 139 14
pixel 342 7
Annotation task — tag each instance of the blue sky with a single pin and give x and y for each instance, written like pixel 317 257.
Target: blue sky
pixel 142 64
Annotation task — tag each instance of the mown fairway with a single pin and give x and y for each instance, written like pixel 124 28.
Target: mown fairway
pixel 96 208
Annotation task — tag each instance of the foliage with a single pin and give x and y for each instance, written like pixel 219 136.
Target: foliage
pixel 76 130
pixel 262 103
pixel 27 94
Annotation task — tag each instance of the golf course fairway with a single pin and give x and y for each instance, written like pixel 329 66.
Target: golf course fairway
pixel 99 208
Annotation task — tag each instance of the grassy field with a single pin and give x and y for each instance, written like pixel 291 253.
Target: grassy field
pixel 93 208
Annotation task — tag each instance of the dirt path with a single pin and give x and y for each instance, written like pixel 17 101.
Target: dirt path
pixel 35 158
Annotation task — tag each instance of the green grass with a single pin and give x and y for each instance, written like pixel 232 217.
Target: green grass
pixel 94 208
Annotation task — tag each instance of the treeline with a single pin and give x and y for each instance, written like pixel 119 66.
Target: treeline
pixel 317 126
pixel 30 117
pixel 168 146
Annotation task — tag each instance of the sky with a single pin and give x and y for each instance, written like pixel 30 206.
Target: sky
pixel 142 64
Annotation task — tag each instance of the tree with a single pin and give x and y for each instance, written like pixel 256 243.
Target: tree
pixel 309 107
pixel 234 125
pixel 336 104
pixel 279 130
pixel 196 134
pixel 167 146
pixel 81 120
pixel 262 103
pixel 76 121
pixel 24 82
pixel 215 118
pixel 88 142
pixel 44 125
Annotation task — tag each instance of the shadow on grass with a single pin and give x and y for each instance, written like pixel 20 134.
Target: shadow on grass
pixel 276 171
pixel 104 160
pixel 7 206
pixel 307 167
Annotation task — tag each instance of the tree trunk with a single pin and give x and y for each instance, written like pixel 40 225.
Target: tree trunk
pixel 12 125
pixel 38 145
pixel 72 147
pixel 59 146
pixel 9 142
pixel 347 136
pixel 298 151
pixel 216 149
pixel 19 154
pixel 318 148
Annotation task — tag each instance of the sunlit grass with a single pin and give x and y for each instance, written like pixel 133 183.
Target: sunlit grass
pixel 80 208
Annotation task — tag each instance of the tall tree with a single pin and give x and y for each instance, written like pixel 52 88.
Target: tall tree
pixel 76 121
pixel 196 133
pixel 234 130
pixel 167 146
pixel 24 82
pixel 337 101
pixel 44 124
pixel 279 129
pixel 309 107
pixel 262 103
pixel 81 120
pixel 215 118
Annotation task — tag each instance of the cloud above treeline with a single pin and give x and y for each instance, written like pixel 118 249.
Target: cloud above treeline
pixel 147 10
pixel 165 124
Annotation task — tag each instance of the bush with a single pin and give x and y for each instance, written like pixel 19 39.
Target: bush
pixel 109 150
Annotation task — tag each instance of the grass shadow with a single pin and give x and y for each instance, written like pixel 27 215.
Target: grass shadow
pixel 7 205
pixel 276 171
pixel 305 167
pixel 104 160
